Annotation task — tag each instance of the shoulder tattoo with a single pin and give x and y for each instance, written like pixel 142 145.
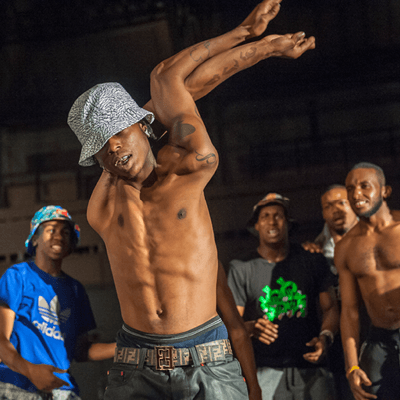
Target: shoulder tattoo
pixel 182 130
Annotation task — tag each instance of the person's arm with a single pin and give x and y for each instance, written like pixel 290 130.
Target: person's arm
pixel 101 351
pixel 350 324
pixel 88 349
pixel 237 333
pixel 99 210
pixel 254 25
pixel 41 375
pixel 329 327
pixel 207 64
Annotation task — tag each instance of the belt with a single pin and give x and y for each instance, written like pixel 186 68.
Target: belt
pixel 168 357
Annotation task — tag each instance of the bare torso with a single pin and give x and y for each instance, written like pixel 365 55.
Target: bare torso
pixel 161 248
pixel 373 257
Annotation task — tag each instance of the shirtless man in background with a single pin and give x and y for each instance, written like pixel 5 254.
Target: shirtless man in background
pixel 368 260
pixel 154 220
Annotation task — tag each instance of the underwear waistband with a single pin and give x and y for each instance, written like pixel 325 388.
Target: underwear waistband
pixel 192 334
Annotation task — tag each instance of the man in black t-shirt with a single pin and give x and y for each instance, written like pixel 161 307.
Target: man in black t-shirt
pixel 279 290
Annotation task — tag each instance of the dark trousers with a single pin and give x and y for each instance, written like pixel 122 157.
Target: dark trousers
pixel 380 359
pixel 212 381
pixel 216 380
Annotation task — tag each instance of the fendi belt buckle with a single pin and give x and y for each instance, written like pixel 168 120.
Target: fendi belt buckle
pixel 164 358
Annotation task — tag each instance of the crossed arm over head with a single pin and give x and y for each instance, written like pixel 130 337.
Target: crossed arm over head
pixel 225 58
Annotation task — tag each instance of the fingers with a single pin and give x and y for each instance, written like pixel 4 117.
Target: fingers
pixel 312 247
pixel 313 357
pixel 307 44
pixel 360 394
pixel 262 14
pixel 312 342
pixel 59 370
pixel 364 378
pixel 356 379
pixel 265 331
pixel 299 36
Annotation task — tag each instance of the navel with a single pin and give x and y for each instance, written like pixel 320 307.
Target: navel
pixel 121 220
pixel 181 213
pixel 159 312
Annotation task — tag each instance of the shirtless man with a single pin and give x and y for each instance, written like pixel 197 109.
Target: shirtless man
pixel 367 259
pixel 154 220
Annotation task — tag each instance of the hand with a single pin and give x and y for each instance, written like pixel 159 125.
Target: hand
pixel 319 344
pixel 357 378
pixel 263 330
pixel 291 45
pixel 259 18
pixel 312 247
pixel 42 376
pixel 255 394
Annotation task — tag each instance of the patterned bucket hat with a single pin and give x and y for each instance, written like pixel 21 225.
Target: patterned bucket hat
pixel 101 112
pixel 50 213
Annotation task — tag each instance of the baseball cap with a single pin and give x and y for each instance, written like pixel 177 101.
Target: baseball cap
pixel 269 199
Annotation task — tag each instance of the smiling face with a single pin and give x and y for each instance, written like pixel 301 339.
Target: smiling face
pixel 53 240
pixel 127 153
pixel 272 224
pixel 336 210
pixel 364 191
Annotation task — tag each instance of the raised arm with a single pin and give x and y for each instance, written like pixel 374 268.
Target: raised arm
pixel 237 333
pixel 101 202
pixel 42 376
pixel 225 61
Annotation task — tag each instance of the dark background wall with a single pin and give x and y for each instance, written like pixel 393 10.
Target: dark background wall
pixel 284 125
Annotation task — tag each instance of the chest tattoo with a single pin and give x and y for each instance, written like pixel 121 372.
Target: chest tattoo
pixel 181 213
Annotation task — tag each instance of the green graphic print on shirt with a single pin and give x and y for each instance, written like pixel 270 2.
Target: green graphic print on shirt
pixel 286 300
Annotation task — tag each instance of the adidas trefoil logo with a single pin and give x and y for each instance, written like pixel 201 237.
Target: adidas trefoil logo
pixel 51 314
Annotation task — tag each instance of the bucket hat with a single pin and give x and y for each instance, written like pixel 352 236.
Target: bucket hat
pixel 50 213
pixel 100 113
